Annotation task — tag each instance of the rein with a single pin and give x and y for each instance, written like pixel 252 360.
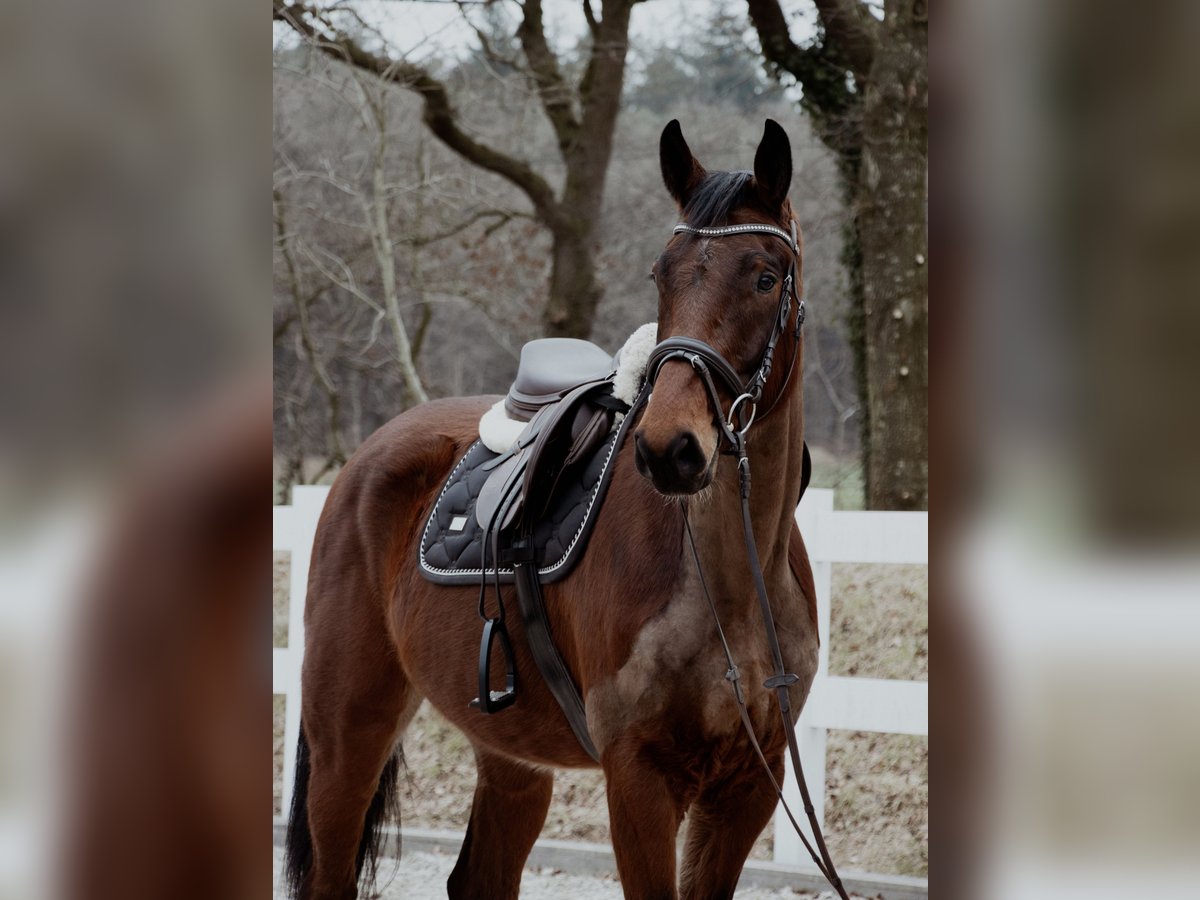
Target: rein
pixel 706 361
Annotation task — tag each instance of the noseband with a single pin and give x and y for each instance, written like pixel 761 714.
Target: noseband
pixel 707 362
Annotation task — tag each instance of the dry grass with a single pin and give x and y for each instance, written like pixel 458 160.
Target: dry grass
pixel 277 710
pixel 281 574
pixel 877 799
pixel 877 785
pixel 880 622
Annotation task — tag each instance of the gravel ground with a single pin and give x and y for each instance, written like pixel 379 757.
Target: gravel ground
pixel 422 876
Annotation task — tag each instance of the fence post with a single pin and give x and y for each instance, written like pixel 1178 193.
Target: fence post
pixel 817 505
pixel 307 502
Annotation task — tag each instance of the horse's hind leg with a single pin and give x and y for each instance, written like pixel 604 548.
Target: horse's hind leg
pixel 723 825
pixel 511 800
pixel 356 704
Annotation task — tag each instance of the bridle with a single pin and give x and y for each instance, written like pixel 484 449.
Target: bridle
pixel 734 425
pixel 707 362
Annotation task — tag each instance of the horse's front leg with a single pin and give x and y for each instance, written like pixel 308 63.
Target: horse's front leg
pixel 644 810
pixel 511 800
pixel 723 825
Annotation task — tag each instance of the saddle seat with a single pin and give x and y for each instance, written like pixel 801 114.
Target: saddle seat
pixel 549 369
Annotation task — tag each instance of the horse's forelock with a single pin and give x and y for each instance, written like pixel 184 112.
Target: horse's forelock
pixel 718 195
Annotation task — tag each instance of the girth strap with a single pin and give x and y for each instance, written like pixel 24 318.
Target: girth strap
pixel 542 647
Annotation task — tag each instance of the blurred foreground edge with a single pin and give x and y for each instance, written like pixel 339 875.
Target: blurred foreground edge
pixel 171 697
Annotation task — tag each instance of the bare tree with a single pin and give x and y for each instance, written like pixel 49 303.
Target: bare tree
pixel 583 116
pixel 302 297
pixel 375 211
pixel 865 83
pixel 470 259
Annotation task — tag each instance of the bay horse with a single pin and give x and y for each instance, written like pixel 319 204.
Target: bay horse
pixel 631 620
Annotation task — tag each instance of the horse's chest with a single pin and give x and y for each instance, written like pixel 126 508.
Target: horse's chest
pixel 674 679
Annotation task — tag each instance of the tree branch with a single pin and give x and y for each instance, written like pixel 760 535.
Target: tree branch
pixel 439 114
pixel 489 51
pixel 281 326
pixel 502 217
pixel 333 437
pixel 850 25
pixel 555 94
pixel 588 14
pixel 820 68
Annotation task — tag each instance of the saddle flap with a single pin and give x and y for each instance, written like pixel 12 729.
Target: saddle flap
pixel 504 472
pixel 571 428
pixel 496 490
pixel 591 427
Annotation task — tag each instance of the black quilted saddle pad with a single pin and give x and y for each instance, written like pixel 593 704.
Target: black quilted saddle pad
pixel 452 542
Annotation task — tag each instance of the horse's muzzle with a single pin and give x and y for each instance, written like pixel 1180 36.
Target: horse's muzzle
pixel 679 467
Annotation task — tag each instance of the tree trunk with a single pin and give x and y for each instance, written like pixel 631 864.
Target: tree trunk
pixel 574 293
pixel 866 85
pixel 891 225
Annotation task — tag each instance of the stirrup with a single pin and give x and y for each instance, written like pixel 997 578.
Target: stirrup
pixel 490 701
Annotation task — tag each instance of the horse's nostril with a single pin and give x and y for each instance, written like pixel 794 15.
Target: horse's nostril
pixel 685 452
pixel 640 456
pixel 676 465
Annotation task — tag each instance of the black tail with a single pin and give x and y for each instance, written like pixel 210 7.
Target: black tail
pixel 385 806
pixel 297 859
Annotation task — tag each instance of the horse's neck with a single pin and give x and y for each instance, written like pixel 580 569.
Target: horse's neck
pixel 775 450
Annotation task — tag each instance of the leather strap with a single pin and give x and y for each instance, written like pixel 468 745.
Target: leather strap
pixel 781 680
pixel 537 625
pixel 545 652
pixel 687 347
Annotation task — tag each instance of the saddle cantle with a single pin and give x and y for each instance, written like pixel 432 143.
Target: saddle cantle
pixel 551 367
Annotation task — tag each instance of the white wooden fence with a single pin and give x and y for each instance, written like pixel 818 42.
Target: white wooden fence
pixel 856 704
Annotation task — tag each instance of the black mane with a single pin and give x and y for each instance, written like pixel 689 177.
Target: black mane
pixel 719 194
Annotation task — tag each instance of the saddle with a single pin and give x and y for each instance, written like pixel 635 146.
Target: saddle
pixel 523 515
pixel 550 479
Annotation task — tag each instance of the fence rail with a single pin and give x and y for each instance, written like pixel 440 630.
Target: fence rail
pixel 856 704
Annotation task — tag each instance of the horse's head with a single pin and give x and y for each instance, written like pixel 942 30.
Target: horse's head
pixel 725 295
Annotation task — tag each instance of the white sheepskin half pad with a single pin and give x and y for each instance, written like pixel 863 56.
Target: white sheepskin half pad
pixel 631 362
pixel 497 431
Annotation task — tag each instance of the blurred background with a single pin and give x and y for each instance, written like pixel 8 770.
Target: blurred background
pixel 135 272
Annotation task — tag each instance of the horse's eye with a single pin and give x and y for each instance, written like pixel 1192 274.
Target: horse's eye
pixel 766 282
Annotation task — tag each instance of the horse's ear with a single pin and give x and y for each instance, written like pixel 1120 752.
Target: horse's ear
pixel 773 165
pixel 681 172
